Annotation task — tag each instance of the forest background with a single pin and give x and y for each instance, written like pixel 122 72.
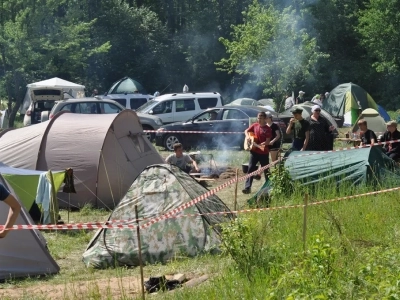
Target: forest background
pixel 240 48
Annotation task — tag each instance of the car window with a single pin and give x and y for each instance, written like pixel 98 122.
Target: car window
pixel 88 108
pixel 121 101
pixel 137 102
pixel 108 108
pixel 206 116
pixel 67 107
pixel 205 103
pixel 184 105
pixel 233 114
pixel 163 108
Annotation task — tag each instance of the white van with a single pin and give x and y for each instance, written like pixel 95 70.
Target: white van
pixel 130 101
pixel 180 106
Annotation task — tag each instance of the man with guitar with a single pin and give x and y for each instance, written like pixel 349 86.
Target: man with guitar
pixel 258 136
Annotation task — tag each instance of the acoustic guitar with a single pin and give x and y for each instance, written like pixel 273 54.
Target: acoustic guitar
pixel 251 142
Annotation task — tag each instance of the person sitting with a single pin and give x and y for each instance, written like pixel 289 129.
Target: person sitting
pixel 182 160
pixel 392 134
pixel 213 115
pixel 368 137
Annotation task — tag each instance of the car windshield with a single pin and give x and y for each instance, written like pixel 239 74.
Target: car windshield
pixel 147 106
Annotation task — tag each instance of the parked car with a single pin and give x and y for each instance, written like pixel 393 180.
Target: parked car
pixel 130 101
pixel 220 119
pixel 180 106
pixel 101 106
pixel 42 101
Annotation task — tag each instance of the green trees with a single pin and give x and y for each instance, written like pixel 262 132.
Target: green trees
pixel 272 49
pixel 218 45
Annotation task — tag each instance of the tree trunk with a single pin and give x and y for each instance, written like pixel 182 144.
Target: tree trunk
pixel 13 112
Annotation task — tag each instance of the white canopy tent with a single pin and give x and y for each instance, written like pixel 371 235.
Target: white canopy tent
pixel 74 89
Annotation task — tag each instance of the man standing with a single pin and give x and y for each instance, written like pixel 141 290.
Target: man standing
pixel 301 130
pixel 392 149
pixel 15 208
pixel 300 99
pixel 262 135
pixel 182 160
pixel 289 102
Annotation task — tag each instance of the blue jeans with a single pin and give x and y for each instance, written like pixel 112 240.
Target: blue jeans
pixel 297 144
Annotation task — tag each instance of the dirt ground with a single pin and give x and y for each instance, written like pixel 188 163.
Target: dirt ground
pixel 113 288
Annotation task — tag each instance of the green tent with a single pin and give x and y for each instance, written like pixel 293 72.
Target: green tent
pixel 347 100
pixel 352 166
pixel 157 190
pixel 25 185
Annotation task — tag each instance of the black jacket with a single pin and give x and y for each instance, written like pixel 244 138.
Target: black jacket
pixel 388 136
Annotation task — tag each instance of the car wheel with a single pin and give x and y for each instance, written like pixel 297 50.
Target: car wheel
pixel 170 140
pixel 150 135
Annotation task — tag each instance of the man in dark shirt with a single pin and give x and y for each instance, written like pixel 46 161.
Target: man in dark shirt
pixel 368 137
pixel 300 99
pixel 301 130
pixel 392 149
pixel 15 208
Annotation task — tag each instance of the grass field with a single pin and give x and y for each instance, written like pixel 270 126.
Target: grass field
pixel 351 252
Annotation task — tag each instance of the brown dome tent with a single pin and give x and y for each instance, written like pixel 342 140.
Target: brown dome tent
pixel 106 151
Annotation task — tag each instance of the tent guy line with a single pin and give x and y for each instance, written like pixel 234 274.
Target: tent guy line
pixel 100 225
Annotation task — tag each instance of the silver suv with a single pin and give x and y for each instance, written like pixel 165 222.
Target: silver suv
pixel 100 106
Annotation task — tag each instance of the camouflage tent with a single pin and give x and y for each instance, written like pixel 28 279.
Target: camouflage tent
pixel 157 190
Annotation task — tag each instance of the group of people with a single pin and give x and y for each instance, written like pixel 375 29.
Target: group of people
pixel 317 99
pixel 368 137
pixel 313 134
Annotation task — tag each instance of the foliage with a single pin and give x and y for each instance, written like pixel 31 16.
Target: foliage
pixel 245 240
pixel 282 184
pixel 272 49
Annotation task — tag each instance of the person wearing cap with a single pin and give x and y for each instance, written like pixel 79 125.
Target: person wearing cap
pixel 318 100
pixel 319 131
pixel 301 129
pixel 300 99
pixel 326 95
pixel 13 213
pixel 262 133
pixel 368 137
pixel 392 134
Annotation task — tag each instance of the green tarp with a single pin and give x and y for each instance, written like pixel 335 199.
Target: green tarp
pixel 352 166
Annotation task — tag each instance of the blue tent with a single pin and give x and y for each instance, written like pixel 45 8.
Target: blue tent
pixel 383 113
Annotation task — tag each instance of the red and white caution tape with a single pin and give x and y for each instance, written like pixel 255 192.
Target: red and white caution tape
pixel 204 196
pixel 181 131
pixel 347 148
pixel 98 225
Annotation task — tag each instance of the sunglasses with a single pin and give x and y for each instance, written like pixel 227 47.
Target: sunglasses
pixel 318 110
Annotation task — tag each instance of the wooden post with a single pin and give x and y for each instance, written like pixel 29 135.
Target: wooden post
pixel 305 222
pixel 236 189
pixel 140 252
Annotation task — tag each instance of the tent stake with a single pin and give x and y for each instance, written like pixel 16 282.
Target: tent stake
pixel 236 188
pixel 305 222
pixel 140 251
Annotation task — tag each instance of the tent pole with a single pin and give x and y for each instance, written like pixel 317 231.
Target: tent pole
pixel 236 188
pixel 305 222
pixel 140 251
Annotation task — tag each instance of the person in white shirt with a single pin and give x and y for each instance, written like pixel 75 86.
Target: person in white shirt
pixel 317 100
pixel 289 102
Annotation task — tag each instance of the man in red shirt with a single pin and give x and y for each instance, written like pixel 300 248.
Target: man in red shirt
pixel 262 134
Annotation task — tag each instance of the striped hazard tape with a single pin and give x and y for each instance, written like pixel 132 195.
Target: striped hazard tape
pixel 184 131
pixel 99 225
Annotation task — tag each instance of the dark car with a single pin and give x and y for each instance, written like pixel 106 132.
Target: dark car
pixel 219 119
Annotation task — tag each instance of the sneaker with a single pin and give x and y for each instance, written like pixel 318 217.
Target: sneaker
pixel 246 191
